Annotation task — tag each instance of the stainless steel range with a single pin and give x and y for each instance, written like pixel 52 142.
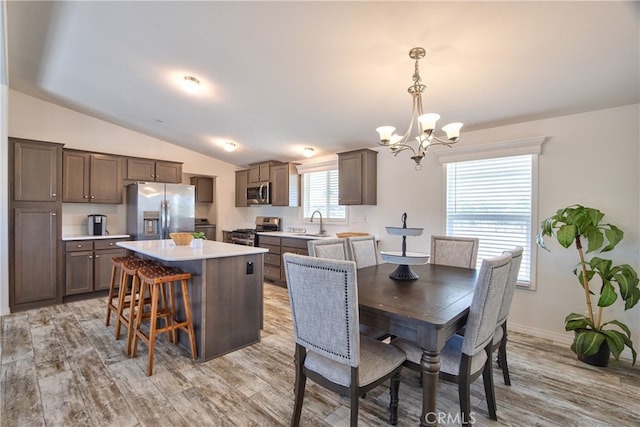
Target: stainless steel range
pixel 247 236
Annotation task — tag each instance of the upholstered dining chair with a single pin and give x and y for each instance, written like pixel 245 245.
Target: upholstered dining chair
pixel 329 348
pixel 500 334
pixel 454 251
pixel 363 250
pixel 464 358
pixel 329 248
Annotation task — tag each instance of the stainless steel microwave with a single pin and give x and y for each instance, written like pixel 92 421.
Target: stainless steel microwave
pixel 259 195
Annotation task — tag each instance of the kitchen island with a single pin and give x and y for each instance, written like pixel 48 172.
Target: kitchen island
pixel 225 291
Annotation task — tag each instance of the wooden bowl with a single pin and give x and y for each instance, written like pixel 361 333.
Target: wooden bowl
pixel 181 239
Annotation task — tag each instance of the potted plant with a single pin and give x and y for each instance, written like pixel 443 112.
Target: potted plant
pixel 581 224
pixel 198 237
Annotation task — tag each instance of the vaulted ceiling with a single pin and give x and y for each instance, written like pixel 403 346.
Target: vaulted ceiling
pixel 279 76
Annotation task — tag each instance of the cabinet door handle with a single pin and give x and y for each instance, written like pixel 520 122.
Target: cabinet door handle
pixel 53 214
pixel 90 257
pixel 53 194
pixel 97 256
pixel 85 197
pixel 79 246
pixel 93 197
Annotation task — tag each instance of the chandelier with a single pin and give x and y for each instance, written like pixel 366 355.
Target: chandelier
pixel 425 138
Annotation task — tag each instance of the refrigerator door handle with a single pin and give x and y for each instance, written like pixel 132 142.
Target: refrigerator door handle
pixel 167 215
pixel 163 220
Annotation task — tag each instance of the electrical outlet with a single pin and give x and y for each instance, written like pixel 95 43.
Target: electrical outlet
pixel 249 268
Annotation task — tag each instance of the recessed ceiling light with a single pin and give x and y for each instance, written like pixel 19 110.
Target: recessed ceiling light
pixel 230 146
pixel 191 84
pixel 308 151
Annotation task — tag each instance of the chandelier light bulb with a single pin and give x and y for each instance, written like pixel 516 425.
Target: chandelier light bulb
pixel 452 130
pixel 191 84
pixel 428 121
pixel 386 132
pixel 308 151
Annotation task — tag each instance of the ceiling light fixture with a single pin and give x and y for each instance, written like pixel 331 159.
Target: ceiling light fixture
pixel 230 146
pixel 426 122
pixel 191 84
pixel 308 151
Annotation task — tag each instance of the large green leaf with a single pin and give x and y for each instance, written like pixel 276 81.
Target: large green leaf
pixel 594 237
pixel 608 295
pixel 616 342
pixel 587 342
pixel 566 235
pixel 575 321
pixel 614 235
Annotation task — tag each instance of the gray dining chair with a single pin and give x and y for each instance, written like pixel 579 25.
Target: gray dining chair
pixel 500 334
pixel 323 295
pixel 363 250
pixel 464 358
pixel 329 248
pixel 454 251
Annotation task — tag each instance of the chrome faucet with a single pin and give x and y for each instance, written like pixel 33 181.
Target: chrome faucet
pixel 322 231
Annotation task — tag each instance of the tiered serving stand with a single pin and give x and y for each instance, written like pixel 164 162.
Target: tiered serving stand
pixel 403 258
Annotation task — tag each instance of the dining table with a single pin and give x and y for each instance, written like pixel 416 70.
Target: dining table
pixel 427 311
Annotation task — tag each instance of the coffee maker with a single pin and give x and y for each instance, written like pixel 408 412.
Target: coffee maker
pixel 97 225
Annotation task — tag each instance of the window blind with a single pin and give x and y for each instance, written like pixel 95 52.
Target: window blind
pixel 491 199
pixel 321 193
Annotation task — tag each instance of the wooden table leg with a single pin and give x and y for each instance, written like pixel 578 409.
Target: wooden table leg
pixel 430 364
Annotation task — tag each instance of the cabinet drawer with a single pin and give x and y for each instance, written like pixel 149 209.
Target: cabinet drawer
pixel 297 251
pixel 272 249
pixel 107 243
pixel 269 240
pixel 272 259
pixel 271 272
pixel 78 245
pixel 294 243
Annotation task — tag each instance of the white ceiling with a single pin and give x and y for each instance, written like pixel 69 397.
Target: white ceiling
pixel 278 76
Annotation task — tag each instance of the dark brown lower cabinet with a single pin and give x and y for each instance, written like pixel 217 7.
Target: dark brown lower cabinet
pixel 88 264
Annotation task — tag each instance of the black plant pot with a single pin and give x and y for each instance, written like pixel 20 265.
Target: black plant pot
pixel 601 358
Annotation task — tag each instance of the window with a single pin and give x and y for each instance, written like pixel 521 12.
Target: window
pixel 320 192
pixel 492 199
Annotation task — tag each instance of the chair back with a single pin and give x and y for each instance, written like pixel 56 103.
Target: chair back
pixel 364 251
pixel 323 295
pixel 329 248
pixel 516 260
pixel 485 306
pixel 454 251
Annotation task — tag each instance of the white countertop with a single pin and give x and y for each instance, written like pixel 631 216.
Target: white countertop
pixel 88 237
pixel 166 250
pixel 295 235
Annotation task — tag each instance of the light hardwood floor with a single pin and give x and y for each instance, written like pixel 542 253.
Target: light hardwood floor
pixel 60 366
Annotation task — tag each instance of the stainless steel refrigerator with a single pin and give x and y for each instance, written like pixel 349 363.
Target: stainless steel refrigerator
pixel 155 209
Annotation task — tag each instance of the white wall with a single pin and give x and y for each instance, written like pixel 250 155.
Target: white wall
pixel 590 158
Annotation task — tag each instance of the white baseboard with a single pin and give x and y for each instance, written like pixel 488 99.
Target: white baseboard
pixel 565 338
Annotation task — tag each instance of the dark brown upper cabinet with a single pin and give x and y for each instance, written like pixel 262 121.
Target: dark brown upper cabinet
pixel 153 170
pixel 357 182
pixel 91 177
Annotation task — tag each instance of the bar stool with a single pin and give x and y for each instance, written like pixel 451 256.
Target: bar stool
pixel 129 271
pixel 116 263
pixel 153 281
